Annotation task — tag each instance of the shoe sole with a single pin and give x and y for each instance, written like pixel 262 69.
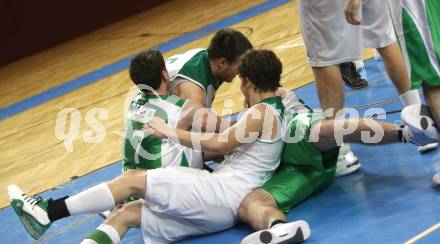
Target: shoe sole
pixel 352 168
pixel 427 148
pixel 355 87
pixel 301 234
pixel 26 224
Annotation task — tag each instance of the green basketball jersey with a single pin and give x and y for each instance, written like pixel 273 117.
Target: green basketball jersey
pixel 147 151
pixel 193 66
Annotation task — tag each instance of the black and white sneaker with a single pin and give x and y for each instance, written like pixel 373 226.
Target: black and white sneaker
pixel 351 76
pixel 292 232
pixel 421 125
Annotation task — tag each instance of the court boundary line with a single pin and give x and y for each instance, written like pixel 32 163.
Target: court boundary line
pixel 423 234
pixel 122 64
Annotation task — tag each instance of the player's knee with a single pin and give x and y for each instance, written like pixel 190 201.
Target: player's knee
pixel 128 214
pixel 255 201
pixel 135 180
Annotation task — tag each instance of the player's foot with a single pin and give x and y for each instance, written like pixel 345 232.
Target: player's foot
pixel 422 129
pixel 351 76
pixel 32 211
pixel 292 232
pixel 427 148
pixel 347 163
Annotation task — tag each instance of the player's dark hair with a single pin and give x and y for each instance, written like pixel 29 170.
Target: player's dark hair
pixel 229 44
pixel 263 68
pixel 146 69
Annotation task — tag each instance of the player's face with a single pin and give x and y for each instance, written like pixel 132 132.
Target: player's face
pixel 228 71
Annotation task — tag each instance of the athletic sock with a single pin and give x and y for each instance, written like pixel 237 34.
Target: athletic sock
pixel 57 209
pixel 89 241
pixel 410 97
pixel 93 200
pixel 276 222
pixel 102 235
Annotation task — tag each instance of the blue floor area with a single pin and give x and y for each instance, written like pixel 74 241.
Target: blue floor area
pixel 389 201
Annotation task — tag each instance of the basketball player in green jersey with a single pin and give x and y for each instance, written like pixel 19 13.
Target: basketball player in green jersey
pixel 198 73
pixel 147 70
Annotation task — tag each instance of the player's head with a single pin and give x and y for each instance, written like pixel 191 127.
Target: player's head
pixel 260 71
pixel 147 69
pixel 224 52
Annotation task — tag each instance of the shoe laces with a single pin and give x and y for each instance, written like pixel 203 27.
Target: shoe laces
pixel 32 200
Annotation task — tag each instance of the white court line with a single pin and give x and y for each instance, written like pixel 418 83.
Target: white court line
pixel 423 234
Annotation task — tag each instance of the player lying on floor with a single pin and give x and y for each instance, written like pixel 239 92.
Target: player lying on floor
pixel 179 202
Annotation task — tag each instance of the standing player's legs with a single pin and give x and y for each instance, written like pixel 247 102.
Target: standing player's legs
pixel 378 33
pixel 416 31
pixel 396 70
pixel 330 88
pixel 329 41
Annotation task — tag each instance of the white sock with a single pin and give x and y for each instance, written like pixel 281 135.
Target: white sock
pixel 93 200
pixel 410 97
pixel 88 241
pixel 111 232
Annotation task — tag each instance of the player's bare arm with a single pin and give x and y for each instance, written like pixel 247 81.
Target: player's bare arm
pixel 246 130
pixel 195 113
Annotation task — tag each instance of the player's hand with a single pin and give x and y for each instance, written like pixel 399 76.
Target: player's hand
pixel 157 127
pixel 351 9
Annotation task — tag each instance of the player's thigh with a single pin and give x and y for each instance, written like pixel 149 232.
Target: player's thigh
pixel 377 25
pixel 328 38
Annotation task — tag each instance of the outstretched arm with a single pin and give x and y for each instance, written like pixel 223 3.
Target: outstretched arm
pixel 195 116
pixel 195 112
pixel 246 130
